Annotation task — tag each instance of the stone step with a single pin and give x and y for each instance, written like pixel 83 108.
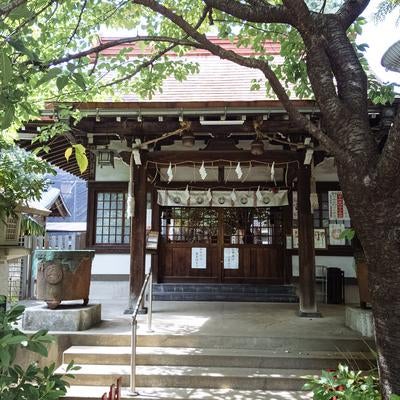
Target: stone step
pixel 227 296
pixel 114 355
pixel 156 393
pixel 223 287
pixel 194 377
pixel 225 292
pixel 290 344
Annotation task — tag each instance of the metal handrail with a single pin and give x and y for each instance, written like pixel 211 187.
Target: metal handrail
pixel 147 281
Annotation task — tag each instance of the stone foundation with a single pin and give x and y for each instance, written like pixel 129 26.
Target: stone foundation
pixel 66 318
pixel 360 320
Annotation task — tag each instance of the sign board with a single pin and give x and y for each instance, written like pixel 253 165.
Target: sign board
pixel 152 240
pixel 199 257
pixel 319 238
pixel 231 258
pixel 337 206
pixel 335 231
pixel 294 206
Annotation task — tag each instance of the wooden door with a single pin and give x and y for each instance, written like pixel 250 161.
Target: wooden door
pixel 241 245
pixel 255 235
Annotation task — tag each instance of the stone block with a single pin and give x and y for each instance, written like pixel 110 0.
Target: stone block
pixel 360 320
pixel 66 318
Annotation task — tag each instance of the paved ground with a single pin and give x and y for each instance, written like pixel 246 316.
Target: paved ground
pixel 226 319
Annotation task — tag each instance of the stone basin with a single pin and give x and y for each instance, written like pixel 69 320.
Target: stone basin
pixel 63 275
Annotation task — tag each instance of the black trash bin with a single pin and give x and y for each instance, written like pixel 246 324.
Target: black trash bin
pixel 335 286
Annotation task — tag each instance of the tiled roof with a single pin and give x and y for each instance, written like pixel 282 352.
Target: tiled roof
pixel 217 80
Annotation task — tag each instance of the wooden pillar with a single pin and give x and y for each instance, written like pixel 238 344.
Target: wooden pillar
pixel 155 226
pixel 138 236
pixel 308 304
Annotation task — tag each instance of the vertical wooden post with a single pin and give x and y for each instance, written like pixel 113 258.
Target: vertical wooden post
pixel 308 304
pixel 155 226
pixel 138 236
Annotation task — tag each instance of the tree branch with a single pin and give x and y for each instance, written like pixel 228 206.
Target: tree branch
pixel 98 49
pixel 78 23
pixel 329 145
pixel 389 162
pixel 12 5
pixel 257 12
pixel 350 11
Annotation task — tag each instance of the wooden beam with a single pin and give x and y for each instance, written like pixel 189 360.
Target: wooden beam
pixel 130 127
pixel 308 303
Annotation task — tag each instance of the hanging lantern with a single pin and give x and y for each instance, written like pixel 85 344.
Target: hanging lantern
pixel 188 139
pixel 257 147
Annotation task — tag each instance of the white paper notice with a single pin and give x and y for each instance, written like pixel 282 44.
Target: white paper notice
pixel 199 257
pixel 231 258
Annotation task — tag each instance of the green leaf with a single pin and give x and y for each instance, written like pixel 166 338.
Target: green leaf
pixel 80 81
pixel 81 158
pixel 8 116
pixel 50 74
pixel 68 153
pixel 6 67
pixel 37 347
pixel 19 45
pixel 61 82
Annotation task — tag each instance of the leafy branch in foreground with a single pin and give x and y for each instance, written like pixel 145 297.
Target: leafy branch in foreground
pixel 31 382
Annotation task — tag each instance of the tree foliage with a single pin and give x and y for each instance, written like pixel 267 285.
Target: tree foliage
pixel 31 382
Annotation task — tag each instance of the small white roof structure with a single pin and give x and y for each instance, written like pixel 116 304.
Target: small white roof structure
pixel 66 226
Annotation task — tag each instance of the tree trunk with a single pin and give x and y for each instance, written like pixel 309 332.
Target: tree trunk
pixel 375 213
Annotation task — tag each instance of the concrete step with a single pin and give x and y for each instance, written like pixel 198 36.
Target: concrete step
pixel 156 393
pixel 227 296
pixel 194 377
pixel 225 292
pixel 222 287
pixel 114 355
pixel 289 344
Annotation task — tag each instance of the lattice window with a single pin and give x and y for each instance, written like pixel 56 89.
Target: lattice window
pixel 192 225
pixel 12 229
pixel 112 225
pixel 253 226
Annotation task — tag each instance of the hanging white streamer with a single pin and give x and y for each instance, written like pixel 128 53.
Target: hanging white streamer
pixel 130 201
pixel 186 194
pixel 273 172
pixel 239 171
pixel 233 195
pixel 170 173
pixel 259 194
pixel 203 171
pixel 209 195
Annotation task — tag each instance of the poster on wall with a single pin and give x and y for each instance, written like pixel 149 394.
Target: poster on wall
pixel 231 258
pixel 294 205
pixel 337 206
pixel 335 231
pixel 319 239
pixel 199 257
pixel 295 234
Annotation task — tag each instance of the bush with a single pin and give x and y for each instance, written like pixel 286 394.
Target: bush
pixel 344 384
pixel 32 382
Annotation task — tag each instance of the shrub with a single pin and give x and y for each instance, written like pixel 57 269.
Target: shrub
pixel 32 382
pixel 344 384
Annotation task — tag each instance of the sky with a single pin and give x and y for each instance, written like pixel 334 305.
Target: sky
pixel 379 37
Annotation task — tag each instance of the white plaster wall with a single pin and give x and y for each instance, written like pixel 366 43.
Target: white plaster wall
pixel 103 290
pixel 115 264
pixel 344 263
pixel 120 172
